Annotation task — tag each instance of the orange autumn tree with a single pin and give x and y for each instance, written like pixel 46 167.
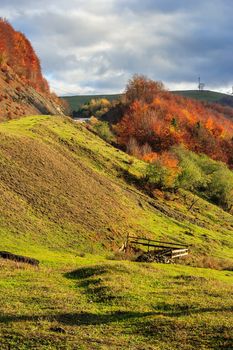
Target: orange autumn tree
pixel 17 52
pixel 161 120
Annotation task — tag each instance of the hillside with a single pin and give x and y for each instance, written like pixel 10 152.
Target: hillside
pixel 72 193
pixel 23 89
pixel 17 99
pixel 69 199
pixel 207 96
pixel 75 102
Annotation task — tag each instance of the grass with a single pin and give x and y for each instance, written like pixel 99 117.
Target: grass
pixel 205 95
pixel 65 188
pixel 81 305
pixel 68 199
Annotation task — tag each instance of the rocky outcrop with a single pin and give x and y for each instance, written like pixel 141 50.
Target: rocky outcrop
pixel 18 99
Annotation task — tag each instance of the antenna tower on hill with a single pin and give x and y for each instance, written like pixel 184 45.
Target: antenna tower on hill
pixel 200 85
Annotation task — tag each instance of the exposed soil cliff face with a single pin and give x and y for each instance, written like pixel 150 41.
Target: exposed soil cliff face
pixel 18 99
pixel 23 89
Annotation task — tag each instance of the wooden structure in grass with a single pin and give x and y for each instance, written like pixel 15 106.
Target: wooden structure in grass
pixel 155 251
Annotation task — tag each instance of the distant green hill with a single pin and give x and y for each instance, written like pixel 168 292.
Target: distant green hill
pixel 208 96
pixel 76 102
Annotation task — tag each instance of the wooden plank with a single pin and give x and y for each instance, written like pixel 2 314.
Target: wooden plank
pixel 179 250
pixel 178 255
pixel 152 240
pixel 151 245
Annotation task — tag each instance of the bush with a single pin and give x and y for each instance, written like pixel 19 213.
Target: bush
pixel 96 108
pixel 220 188
pixel 205 176
pixel 156 175
pixel 192 176
pixel 162 171
pixel 181 168
pixel 142 88
pixel 102 129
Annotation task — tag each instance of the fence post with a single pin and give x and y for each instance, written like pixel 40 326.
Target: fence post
pixel 127 242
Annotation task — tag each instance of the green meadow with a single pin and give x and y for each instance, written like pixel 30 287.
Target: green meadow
pixel 69 199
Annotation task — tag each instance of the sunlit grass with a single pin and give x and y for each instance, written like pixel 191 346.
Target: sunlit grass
pixel 78 299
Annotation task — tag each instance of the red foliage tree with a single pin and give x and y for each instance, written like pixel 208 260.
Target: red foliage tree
pixel 17 52
pixel 161 119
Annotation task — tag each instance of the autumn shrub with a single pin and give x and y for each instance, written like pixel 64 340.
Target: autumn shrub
pixel 93 121
pixel 96 107
pixel 133 148
pixel 161 120
pixel 141 88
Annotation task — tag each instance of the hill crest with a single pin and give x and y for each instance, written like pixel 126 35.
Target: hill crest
pixel 209 96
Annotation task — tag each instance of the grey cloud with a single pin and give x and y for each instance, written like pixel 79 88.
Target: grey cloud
pixel 146 6
pixel 68 30
pixel 100 44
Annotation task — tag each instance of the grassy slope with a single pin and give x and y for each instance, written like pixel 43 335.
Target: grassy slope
pixel 63 192
pixel 206 95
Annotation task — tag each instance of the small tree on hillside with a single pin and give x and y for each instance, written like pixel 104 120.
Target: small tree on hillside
pixel 142 89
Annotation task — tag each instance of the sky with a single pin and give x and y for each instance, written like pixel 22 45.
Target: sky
pixel 95 46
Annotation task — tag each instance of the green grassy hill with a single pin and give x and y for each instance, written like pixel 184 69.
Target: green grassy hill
pixel 207 96
pixel 69 200
pixel 75 102
pixel 62 187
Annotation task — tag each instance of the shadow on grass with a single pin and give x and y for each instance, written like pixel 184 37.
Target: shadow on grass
pixel 93 271
pixel 82 318
pixel 88 318
pixel 100 319
pixel 182 335
pixel 91 280
pixel 179 310
pixel 159 329
pixel 86 272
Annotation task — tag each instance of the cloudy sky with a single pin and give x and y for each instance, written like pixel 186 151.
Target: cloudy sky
pixel 95 46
